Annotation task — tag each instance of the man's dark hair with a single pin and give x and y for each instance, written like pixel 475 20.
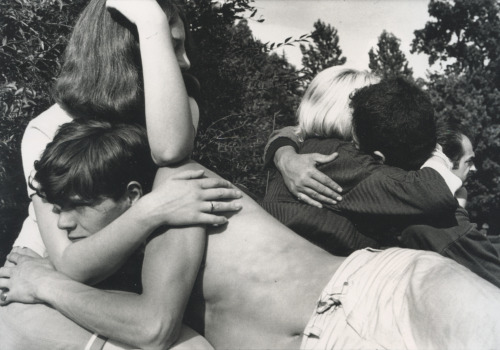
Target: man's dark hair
pixel 449 136
pixel 396 118
pixel 92 160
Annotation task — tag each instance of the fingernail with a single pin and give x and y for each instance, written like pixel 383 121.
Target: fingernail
pixel 239 194
pixel 339 198
pixel 339 189
pixel 333 202
pixel 237 205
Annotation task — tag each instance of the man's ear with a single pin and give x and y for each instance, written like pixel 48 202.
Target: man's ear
pixel 134 192
pixel 380 155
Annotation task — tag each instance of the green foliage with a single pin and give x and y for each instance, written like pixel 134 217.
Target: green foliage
pixel 324 52
pixel 388 60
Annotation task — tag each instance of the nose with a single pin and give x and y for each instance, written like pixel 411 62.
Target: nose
pixel 183 60
pixel 66 221
pixel 473 168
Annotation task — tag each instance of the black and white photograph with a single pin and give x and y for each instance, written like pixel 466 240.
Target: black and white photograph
pixel 249 174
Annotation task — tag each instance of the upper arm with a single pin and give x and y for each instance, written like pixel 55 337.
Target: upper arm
pixel 171 264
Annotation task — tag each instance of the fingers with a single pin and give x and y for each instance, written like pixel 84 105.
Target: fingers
pixel 209 219
pixel 220 193
pixel 25 251
pixel 325 158
pixel 220 207
pixel 189 174
pixel 324 185
pixel 306 199
pixel 212 182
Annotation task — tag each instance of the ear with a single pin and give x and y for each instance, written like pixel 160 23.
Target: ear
pixel 134 192
pixel 380 155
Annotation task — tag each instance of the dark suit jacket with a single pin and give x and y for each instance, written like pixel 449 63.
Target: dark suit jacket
pixel 379 201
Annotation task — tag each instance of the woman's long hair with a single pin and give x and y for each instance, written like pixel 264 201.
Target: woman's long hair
pixel 102 73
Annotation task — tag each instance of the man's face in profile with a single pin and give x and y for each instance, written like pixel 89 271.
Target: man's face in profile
pixel 466 162
pixel 82 219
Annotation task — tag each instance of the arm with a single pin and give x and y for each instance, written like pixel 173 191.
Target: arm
pixel 183 199
pixel 392 191
pixel 151 320
pixel 168 113
pixel 299 171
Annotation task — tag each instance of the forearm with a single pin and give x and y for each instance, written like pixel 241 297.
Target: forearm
pixel 118 316
pixel 168 116
pixel 385 192
pixel 93 259
pixel 278 140
pixel 151 320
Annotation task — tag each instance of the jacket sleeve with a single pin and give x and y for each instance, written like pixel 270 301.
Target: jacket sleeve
pixel 278 139
pixel 392 191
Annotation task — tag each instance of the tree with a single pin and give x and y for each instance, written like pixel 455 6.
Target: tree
pixel 388 60
pixel 324 52
pixel 464 37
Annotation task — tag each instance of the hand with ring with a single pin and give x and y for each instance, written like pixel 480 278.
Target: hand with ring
pixel 190 198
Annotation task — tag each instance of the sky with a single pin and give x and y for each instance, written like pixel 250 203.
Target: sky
pixel 359 24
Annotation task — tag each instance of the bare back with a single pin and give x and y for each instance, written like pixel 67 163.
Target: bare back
pixel 259 283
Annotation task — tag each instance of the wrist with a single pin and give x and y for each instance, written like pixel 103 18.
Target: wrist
pixel 46 288
pixel 282 156
pixel 145 213
pixel 153 26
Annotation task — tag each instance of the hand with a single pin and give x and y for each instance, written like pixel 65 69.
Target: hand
pixel 461 196
pixel 138 12
pixel 22 251
pixel 190 199
pixel 20 281
pixel 304 180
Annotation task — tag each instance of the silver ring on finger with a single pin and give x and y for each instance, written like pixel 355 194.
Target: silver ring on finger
pixel 212 208
pixel 4 295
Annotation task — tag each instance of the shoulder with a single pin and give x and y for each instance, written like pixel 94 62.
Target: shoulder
pixel 49 121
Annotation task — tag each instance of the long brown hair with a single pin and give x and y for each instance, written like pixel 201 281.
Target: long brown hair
pixel 102 72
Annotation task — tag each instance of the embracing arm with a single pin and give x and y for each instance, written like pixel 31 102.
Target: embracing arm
pixel 392 191
pixel 185 198
pixel 151 320
pixel 299 171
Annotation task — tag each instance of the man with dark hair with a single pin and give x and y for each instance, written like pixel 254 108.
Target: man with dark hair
pixel 457 147
pixel 395 118
pixel 259 283
pixel 380 200
pixel 92 173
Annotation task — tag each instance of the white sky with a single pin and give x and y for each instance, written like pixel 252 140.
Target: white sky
pixel 359 24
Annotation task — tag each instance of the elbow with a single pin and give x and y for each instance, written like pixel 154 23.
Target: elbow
pixel 171 156
pixel 159 333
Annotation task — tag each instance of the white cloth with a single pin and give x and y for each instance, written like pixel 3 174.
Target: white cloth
pixel 404 299
pixel 39 132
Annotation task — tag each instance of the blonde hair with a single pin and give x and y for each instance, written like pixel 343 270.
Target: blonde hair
pixel 324 110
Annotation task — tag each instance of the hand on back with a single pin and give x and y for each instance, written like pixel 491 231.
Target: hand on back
pixel 189 198
pixel 305 181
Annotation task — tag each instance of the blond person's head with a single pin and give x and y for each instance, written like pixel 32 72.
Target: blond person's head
pixel 324 110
